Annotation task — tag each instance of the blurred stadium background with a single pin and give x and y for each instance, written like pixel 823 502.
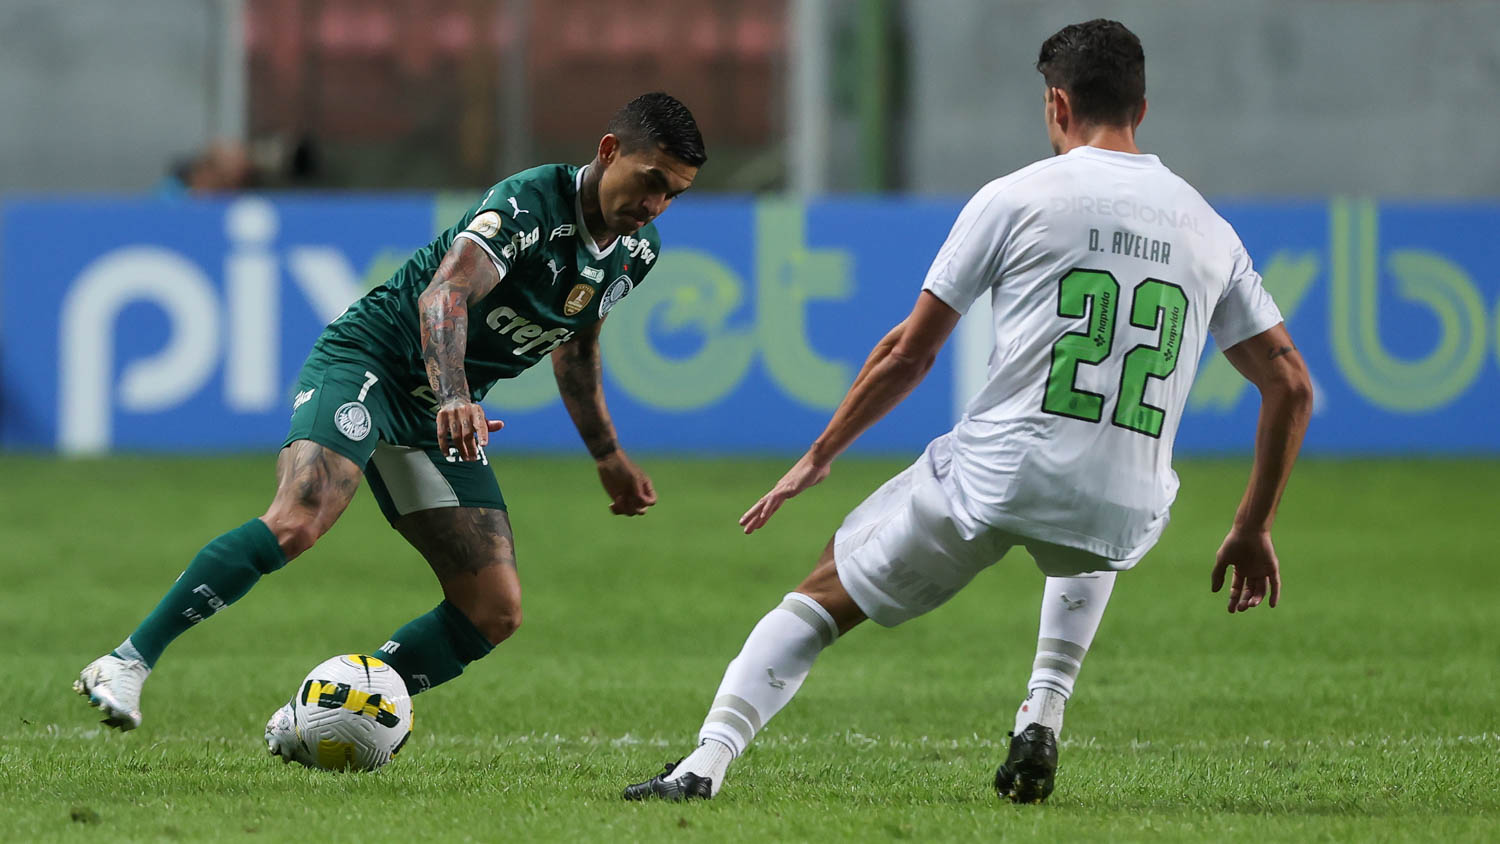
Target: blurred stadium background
pixel 190 189
pixel 193 188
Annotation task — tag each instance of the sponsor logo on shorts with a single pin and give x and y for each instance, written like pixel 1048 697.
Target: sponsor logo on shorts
pixel 302 398
pixel 352 420
pixel 618 289
pixel 578 298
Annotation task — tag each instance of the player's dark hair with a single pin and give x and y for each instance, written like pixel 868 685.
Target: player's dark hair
pixel 1101 65
pixel 659 119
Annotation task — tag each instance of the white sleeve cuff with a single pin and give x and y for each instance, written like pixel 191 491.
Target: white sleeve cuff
pixel 494 259
pixel 949 294
pixel 1264 319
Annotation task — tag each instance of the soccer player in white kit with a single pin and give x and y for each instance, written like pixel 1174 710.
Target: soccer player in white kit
pixel 1106 275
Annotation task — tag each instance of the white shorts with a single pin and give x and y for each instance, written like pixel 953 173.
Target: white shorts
pixel 903 551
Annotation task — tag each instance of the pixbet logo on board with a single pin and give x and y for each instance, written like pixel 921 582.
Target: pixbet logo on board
pixel 201 333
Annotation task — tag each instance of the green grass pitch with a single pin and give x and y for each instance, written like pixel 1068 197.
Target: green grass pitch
pixel 1366 707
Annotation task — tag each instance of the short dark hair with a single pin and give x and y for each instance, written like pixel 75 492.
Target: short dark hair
pixel 659 119
pixel 1101 65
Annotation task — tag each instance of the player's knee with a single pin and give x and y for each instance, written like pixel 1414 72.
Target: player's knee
pixel 498 620
pixel 295 532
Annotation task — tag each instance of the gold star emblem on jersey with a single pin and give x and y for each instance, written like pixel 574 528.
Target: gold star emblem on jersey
pixel 578 299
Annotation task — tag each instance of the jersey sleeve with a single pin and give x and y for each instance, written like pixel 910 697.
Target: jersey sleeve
pixel 970 260
pixel 507 226
pixel 1245 309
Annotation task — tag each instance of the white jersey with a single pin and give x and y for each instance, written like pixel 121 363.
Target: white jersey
pixel 1106 273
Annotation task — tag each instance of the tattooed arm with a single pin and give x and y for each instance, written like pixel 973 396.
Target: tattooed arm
pixel 1270 361
pixel 465 276
pixel 576 366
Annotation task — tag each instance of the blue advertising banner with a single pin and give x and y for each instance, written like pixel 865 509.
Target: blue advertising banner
pixel 179 325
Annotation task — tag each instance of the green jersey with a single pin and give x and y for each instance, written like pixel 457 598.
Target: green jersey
pixel 554 281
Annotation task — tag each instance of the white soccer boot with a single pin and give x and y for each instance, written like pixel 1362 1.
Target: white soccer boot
pixel 282 739
pixel 114 685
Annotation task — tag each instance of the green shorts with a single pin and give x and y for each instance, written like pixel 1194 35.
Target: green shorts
pixel 346 407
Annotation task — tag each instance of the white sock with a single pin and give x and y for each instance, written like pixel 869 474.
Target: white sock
pixel 1072 608
pixel 766 674
pixel 1041 706
pixel 711 759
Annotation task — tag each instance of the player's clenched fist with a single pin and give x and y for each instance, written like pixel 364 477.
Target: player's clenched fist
pixel 461 426
pixel 629 488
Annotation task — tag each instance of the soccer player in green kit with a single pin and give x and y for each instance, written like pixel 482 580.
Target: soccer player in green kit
pixel 392 387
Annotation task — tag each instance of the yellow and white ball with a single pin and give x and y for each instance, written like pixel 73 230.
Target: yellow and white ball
pixel 352 713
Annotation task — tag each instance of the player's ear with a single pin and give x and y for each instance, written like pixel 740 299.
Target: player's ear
pixel 1140 115
pixel 1062 110
pixel 609 147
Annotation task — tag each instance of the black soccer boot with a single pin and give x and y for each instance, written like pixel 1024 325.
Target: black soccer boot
pixel 1030 766
pixel 689 786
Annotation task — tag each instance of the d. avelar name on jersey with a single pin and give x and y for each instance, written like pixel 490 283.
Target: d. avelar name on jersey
pixel 1133 245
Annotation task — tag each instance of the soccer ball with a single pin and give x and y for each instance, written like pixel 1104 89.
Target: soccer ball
pixel 352 713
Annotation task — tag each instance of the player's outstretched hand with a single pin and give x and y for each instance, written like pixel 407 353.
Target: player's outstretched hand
pixel 1257 575
pixel 463 430
pixel 629 488
pixel 805 473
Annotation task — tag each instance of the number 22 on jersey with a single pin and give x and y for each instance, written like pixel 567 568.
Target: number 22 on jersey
pixel 1156 305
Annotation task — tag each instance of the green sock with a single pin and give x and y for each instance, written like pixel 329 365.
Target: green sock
pixel 221 574
pixel 432 649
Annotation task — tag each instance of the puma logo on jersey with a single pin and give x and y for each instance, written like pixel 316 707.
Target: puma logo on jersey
pixel 556 270
pixel 516 207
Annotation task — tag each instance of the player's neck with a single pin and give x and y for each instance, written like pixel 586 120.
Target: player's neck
pixel 593 214
pixel 1116 138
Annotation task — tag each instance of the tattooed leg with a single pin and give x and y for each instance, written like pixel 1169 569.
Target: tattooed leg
pixel 471 552
pixel 313 486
